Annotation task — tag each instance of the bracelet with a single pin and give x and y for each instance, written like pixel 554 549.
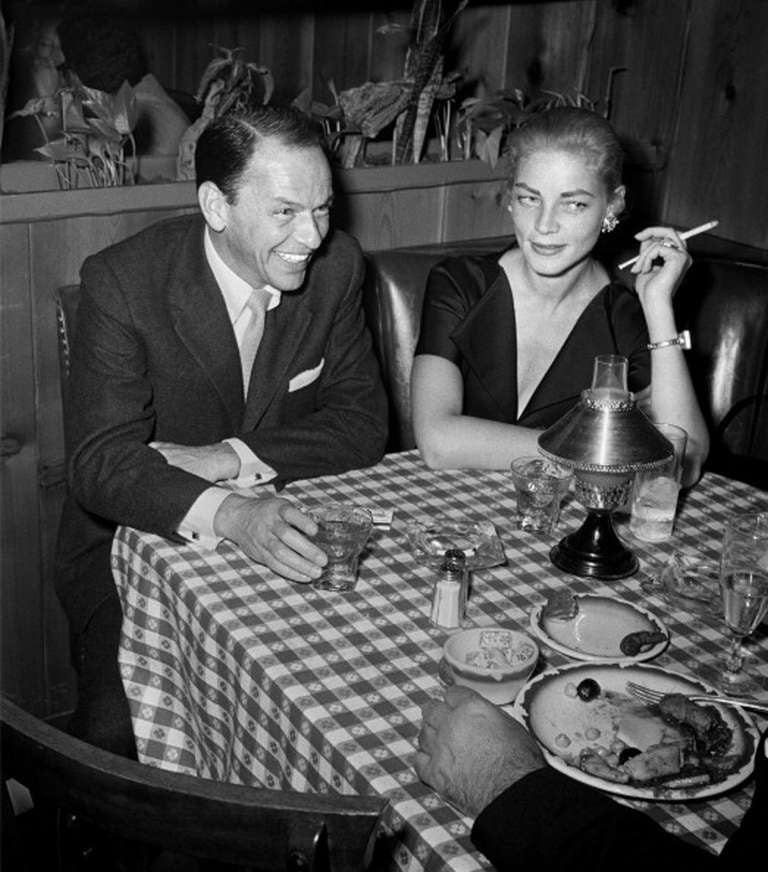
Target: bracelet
pixel 682 339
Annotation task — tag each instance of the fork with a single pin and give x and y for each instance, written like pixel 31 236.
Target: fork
pixel 647 694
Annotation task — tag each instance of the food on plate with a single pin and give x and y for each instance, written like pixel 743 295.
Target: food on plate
pixel 640 642
pixel 710 733
pixel 588 689
pixel 619 738
pixel 561 605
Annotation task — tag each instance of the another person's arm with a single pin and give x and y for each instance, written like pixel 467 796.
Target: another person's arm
pixel 527 815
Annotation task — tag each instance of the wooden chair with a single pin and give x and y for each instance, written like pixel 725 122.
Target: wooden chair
pixel 255 828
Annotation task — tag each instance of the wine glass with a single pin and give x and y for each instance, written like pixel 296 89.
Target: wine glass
pixel 744 589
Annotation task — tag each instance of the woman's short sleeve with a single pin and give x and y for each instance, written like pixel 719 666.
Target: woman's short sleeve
pixel 453 286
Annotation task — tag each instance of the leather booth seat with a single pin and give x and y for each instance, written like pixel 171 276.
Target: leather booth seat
pixel 723 301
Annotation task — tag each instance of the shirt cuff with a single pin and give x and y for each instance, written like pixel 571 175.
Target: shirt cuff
pixel 252 470
pixel 197 524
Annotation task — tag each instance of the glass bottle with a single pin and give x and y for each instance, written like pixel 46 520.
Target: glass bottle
pixel 449 597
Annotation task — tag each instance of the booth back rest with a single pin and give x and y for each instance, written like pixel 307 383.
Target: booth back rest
pixel 724 304
pixel 722 301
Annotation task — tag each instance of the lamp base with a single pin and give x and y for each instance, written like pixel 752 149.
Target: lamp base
pixel 594 550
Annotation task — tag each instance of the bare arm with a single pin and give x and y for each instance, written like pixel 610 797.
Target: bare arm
pixel 672 397
pixel 448 439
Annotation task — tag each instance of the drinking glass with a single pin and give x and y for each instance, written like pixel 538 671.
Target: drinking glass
pixel 540 486
pixel 655 491
pixel 744 589
pixel 342 531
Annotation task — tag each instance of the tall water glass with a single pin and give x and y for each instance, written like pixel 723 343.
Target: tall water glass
pixel 655 491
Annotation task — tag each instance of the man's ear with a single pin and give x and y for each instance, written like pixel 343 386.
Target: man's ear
pixel 214 206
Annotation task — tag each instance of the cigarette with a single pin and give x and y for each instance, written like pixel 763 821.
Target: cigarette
pixel 687 234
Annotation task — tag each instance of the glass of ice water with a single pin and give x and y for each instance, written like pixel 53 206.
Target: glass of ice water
pixel 655 491
pixel 540 485
pixel 342 531
pixel 744 589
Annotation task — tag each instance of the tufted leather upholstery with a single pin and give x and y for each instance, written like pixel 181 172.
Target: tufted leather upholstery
pixel 722 301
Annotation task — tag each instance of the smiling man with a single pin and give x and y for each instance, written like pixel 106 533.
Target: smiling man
pixel 215 353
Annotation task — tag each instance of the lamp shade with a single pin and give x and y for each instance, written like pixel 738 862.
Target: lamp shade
pixel 605 432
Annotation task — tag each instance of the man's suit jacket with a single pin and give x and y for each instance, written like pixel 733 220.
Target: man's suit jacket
pixel 155 359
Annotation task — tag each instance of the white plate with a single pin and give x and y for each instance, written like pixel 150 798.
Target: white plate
pixel 595 633
pixel 549 712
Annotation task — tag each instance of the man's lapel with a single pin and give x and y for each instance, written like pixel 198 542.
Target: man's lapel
pixel 202 323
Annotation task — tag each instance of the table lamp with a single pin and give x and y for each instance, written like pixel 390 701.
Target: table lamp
pixel 604 439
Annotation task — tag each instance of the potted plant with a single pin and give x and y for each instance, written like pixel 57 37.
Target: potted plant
pixel 229 83
pixel 96 147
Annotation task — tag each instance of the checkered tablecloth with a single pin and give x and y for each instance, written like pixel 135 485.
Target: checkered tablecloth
pixel 235 674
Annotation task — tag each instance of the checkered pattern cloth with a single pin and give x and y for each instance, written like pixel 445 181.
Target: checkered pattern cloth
pixel 235 674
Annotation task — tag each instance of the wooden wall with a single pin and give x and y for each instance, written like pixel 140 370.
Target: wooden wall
pixel 691 101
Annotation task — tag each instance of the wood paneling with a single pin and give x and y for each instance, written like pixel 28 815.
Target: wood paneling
pixel 21 607
pixel 692 103
pixel 716 168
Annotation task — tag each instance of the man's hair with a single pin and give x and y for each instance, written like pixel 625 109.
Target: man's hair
pixel 227 144
pixel 576 130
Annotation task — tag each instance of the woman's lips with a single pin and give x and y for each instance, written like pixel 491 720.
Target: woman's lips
pixel 547 250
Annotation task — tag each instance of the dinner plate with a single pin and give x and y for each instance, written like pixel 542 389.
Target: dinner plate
pixel 596 631
pixel 478 539
pixel 561 721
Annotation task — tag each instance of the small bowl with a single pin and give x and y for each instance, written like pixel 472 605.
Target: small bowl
pixel 503 661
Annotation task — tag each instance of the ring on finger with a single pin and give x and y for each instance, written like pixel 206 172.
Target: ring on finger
pixel 667 243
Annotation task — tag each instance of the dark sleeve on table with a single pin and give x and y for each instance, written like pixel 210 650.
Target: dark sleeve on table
pixel 551 823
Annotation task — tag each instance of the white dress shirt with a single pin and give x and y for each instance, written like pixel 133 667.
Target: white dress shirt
pixel 198 522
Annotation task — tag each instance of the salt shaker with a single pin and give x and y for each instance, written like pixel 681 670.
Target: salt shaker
pixel 449 597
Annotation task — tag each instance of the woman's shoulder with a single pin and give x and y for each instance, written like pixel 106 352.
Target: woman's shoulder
pixel 616 295
pixel 472 273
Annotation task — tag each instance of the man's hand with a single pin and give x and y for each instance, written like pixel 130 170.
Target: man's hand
pixel 272 531
pixel 470 751
pixel 212 462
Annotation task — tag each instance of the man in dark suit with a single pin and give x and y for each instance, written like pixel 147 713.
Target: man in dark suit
pixel 168 407
pixel 530 816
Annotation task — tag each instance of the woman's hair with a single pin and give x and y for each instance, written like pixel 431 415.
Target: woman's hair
pixel 568 128
pixel 226 145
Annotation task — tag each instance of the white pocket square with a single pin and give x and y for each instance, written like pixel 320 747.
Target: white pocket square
pixel 305 378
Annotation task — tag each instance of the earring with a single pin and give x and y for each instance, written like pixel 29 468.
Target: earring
pixel 610 223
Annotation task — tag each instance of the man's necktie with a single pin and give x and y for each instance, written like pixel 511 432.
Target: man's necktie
pixel 249 345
